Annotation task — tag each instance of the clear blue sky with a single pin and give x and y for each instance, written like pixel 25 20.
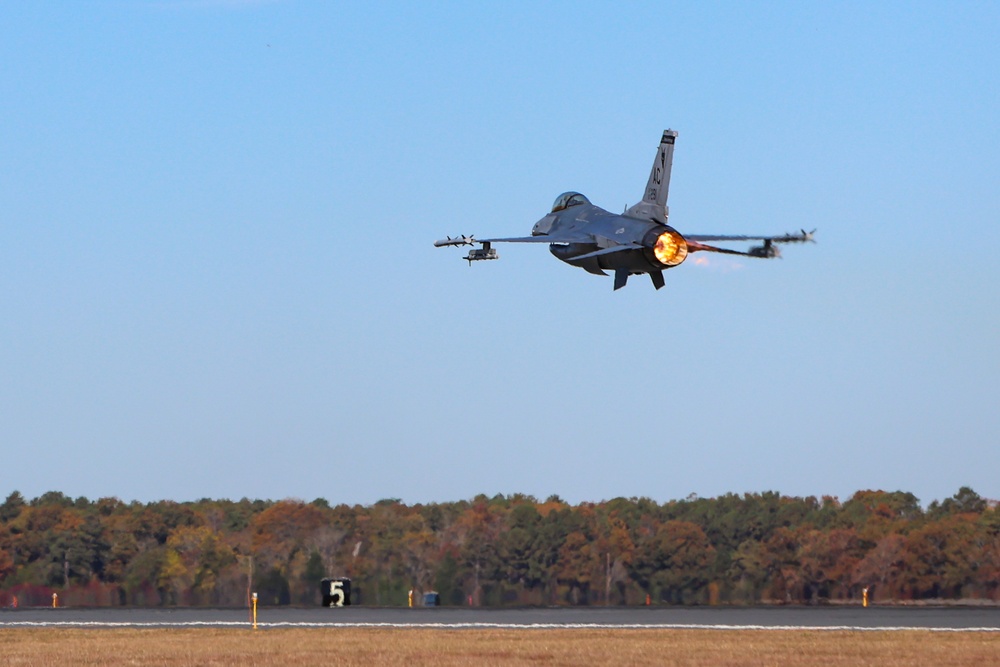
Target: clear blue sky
pixel 217 276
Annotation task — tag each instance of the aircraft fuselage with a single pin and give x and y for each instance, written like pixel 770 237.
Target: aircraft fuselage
pixel 599 230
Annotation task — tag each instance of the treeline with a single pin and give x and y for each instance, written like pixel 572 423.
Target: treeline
pixel 504 550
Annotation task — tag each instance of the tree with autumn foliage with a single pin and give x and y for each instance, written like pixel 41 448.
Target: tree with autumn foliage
pixel 673 562
pixel 734 549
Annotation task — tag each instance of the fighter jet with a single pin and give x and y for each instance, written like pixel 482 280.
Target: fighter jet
pixel 637 241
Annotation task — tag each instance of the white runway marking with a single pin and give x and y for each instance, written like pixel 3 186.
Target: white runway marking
pixel 475 626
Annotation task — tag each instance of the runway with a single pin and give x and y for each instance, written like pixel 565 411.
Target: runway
pixel 855 618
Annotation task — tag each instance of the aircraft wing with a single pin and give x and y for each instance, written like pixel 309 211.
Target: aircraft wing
pixel 547 238
pixel 801 237
pixel 767 249
pixel 487 252
pixel 519 239
pixel 544 238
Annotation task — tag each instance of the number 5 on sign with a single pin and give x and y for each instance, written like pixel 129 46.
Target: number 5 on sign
pixel 336 594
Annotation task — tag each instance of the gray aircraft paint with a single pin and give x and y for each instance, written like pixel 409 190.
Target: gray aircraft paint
pixel 638 241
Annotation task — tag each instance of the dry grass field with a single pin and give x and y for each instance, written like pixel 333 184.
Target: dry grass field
pixel 350 646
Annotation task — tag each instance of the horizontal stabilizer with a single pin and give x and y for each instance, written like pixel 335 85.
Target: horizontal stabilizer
pixel 608 251
pixel 695 246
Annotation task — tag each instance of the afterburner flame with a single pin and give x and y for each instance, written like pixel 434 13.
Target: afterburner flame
pixel 670 249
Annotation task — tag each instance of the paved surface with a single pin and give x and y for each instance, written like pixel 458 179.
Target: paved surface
pixel 944 618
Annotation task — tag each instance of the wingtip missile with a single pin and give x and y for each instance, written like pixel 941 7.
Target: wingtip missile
pixel 802 237
pixel 458 240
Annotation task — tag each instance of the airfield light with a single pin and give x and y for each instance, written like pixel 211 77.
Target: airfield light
pixel 670 249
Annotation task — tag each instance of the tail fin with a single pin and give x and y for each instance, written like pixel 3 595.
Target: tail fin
pixel 659 178
pixel 654 202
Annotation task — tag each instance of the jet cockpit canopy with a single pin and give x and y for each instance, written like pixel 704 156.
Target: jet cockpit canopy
pixel 567 199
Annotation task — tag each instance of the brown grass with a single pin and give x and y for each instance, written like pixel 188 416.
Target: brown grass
pixel 417 647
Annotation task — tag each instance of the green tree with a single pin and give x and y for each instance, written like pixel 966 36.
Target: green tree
pixel 674 563
pixel 965 501
pixel 575 566
pixel 749 570
pixel 12 507
pixel 312 575
pixel 447 580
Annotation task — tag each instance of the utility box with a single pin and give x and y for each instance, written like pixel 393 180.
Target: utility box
pixel 336 592
pixel 432 599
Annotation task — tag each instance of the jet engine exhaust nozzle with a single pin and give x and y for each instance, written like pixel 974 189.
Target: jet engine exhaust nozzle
pixel 670 248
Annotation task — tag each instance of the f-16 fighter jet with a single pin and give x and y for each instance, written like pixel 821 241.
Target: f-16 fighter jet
pixel 637 241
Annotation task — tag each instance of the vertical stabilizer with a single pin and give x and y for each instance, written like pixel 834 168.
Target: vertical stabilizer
pixel 654 200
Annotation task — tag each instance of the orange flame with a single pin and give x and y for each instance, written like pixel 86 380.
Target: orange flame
pixel 671 249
